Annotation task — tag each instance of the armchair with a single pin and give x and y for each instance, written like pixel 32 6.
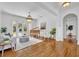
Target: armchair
pixel 3 42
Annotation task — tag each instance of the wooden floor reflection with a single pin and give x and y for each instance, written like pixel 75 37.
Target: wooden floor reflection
pixel 47 48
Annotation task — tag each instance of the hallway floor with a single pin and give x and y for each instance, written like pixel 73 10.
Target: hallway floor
pixel 43 49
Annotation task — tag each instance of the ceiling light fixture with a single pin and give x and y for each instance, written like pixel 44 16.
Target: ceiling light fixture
pixel 29 18
pixel 66 4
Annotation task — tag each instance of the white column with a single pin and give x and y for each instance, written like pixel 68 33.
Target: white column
pixel 59 27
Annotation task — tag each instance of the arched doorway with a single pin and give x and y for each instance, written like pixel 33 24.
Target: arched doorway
pixel 70 25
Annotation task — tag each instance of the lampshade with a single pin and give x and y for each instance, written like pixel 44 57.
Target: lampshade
pixel 29 18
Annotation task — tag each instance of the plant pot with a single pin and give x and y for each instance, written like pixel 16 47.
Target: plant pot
pixel 52 36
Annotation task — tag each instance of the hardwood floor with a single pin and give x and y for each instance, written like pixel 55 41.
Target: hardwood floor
pixel 47 48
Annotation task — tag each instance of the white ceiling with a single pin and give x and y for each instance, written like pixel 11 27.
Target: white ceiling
pixel 37 8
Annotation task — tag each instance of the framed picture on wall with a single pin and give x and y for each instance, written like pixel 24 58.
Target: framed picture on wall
pixel 43 25
pixel 20 27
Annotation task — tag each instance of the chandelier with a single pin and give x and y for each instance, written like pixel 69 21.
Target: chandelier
pixel 29 18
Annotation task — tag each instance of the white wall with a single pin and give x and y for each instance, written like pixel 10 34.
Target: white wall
pixel 0 19
pixel 50 20
pixel 0 13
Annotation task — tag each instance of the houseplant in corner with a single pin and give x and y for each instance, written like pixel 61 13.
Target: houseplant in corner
pixel 53 32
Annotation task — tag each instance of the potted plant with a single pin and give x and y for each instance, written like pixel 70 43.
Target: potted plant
pixel 3 30
pixel 53 32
